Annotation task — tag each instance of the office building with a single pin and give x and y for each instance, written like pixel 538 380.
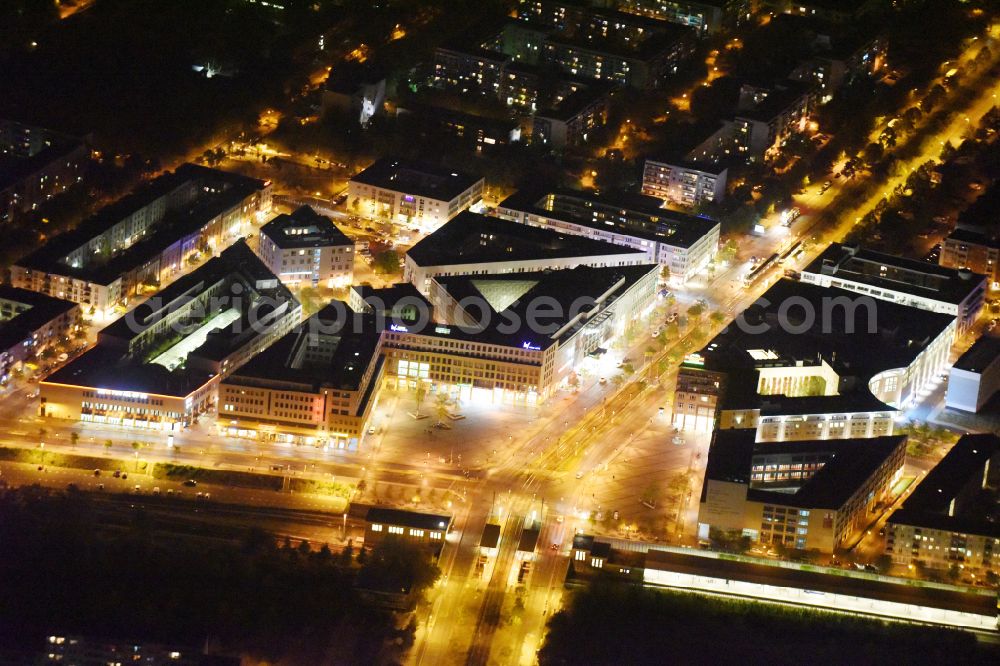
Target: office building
pixel 306 248
pixel 909 282
pixel 946 523
pixel 159 365
pixel 807 363
pixel 413 193
pixel 973 250
pixel 474 244
pixel 36 165
pixel 29 323
pixel 975 377
pixel 684 244
pixel 317 385
pixel 145 239
pixel 684 182
pixel 803 495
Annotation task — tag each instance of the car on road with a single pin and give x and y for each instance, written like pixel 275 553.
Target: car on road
pixel 678 440
pixel 672 317
pixel 827 185
pixel 602 381
pixel 137 488
pixel 156 490
pixel 117 473
pixel 661 410
pixel 656 332
pixel 97 472
pixel 371 430
pixel 190 483
pixel 100 486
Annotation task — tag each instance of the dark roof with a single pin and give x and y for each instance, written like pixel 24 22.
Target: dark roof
pixel 426 521
pixel 175 225
pixel 776 102
pixel 349 75
pixel 982 354
pixel 911 276
pixel 849 464
pixel 418 178
pixel 633 215
pixel 310 230
pixel 838 336
pixel 966 462
pixel 110 365
pixel 973 236
pixel 575 103
pixel 529 539
pixel 333 348
pixel 491 536
pixel 42 310
pixel 15 170
pixel 401 300
pixel 471 238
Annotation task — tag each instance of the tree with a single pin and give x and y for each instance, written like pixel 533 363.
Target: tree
pixel 108 444
pixel 398 565
pixel 419 393
pixel 347 554
pixel 386 262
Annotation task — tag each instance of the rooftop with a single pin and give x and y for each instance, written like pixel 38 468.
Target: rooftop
pixel 470 238
pixel 980 355
pixel 933 503
pixel 304 228
pixel 852 263
pixel 39 310
pixel 420 179
pixel 633 215
pixel 855 335
pixel 403 518
pixel 135 354
pixel 973 236
pixel 848 464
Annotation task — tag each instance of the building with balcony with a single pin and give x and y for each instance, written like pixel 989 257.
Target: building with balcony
pixel 144 240
pixel 307 248
pixel 29 323
pixel 684 182
pixel 946 523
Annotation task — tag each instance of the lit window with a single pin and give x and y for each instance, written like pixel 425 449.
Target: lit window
pixel 376 528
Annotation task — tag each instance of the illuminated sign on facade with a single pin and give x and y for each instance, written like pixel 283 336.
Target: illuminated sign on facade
pixel 122 394
pixel 396 328
pixel 528 345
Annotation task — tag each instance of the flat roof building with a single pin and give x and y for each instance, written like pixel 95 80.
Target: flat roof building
pixel 30 322
pixel 945 522
pixel 811 362
pixel 975 377
pixel 478 244
pixel 414 193
pixel 159 365
pixel 806 495
pixel 685 244
pixel 425 528
pixel 307 248
pixel 893 279
pixel 973 250
pixel 145 238
pixel 684 182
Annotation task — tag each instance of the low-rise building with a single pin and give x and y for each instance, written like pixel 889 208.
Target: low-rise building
pixel 944 523
pixel 307 248
pixel 975 377
pixel 474 244
pixel 805 495
pixel 29 323
pixel 909 282
pixel 36 165
pixel 423 528
pixel 159 365
pixel 144 239
pixel 354 87
pixel 414 193
pixel 684 244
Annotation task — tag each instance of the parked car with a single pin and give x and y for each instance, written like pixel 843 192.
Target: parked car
pixel 190 483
